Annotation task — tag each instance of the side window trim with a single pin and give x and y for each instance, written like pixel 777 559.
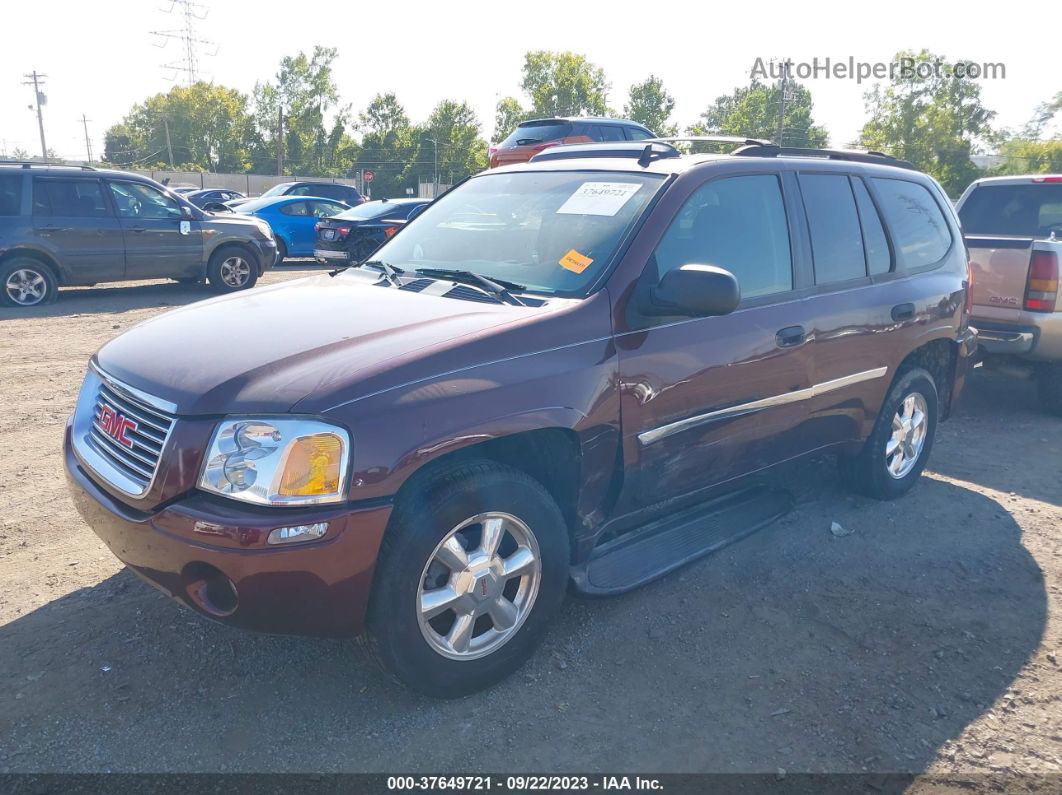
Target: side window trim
pixel 893 259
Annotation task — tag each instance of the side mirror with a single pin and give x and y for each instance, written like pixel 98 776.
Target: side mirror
pixel 186 212
pixel 696 291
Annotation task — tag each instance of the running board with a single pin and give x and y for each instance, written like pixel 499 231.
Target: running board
pixel 643 555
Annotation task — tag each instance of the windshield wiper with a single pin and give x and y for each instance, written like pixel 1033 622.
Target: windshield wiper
pixel 390 272
pixel 496 287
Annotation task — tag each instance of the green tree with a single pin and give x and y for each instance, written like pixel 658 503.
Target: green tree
pixel 209 130
pixel 1025 156
pixel 507 115
pixel 455 130
pixel 388 145
pixel 935 121
pixel 752 111
pixel 564 84
pixel 650 104
pixel 315 139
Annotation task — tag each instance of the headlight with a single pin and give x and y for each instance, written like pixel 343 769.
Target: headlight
pixel 277 461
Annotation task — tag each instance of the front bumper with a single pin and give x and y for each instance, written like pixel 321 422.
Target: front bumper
pixel 209 554
pixel 267 253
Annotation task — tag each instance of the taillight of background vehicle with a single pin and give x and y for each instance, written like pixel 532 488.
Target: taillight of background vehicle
pixel 1041 289
pixel 390 231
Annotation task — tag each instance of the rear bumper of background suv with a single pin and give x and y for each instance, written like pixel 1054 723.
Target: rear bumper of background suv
pixel 1036 336
pixel 210 555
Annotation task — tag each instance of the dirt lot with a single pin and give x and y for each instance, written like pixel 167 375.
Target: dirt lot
pixel 928 639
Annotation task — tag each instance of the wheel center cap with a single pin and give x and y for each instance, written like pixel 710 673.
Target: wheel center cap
pixel 483 586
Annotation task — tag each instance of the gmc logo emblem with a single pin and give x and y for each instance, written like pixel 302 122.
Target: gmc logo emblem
pixel 116 425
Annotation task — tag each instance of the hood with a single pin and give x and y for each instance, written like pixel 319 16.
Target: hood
pixel 266 349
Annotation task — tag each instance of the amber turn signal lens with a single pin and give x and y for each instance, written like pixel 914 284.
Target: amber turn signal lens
pixel 312 467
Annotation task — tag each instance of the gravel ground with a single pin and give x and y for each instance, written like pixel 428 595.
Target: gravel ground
pixel 928 639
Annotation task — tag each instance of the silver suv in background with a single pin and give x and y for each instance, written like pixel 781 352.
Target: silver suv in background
pixel 1013 231
pixel 62 225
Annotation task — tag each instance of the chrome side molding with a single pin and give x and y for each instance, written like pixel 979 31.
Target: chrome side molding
pixel 656 434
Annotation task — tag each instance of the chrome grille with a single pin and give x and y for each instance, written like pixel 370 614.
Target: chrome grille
pixel 114 411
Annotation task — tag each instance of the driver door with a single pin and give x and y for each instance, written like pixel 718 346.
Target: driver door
pixel 708 399
pixel 160 241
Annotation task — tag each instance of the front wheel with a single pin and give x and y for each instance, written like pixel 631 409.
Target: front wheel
pixel 231 269
pixel 472 568
pixel 282 251
pixel 894 456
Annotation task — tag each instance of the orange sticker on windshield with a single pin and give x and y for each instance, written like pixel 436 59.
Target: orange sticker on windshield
pixel 575 262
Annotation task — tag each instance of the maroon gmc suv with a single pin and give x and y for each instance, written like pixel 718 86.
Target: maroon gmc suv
pixel 569 371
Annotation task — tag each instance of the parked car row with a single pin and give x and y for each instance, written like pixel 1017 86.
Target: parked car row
pixel 572 372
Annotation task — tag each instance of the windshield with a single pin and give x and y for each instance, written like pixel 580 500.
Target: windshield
pixel 277 190
pixel 364 212
pixel 536 132
pixel 554 231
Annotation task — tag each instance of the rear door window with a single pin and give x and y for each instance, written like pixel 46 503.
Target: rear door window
pixel 879 258
pixel 69 198
pixel 610 132
pixel 10 194
pixel 1018 210
pixel 919 230
pixel 636 134
pixel 737 223
pixel 836 239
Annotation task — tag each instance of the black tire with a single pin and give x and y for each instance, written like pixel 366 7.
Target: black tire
pixel 421 521
pixel 1049 387
pixel 223 266
pixel 868 473
pixel 21 275
pixel 282 251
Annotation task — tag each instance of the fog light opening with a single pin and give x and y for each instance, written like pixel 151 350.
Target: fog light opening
pixel 297 533
pixel 210 590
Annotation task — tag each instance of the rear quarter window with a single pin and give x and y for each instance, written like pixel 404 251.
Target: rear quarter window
pixel 919 230
pixel 10 194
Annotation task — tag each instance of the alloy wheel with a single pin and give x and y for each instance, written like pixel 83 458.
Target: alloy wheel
pixel 26 287
pixel 479 586
pixel 909 427
pixel 235 271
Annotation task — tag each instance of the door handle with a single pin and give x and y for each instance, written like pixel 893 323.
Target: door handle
pixel 138 229
pixel 47 228
pixel 903 312
pixel 791 336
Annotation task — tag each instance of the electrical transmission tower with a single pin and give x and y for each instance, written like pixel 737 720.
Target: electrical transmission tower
pixel 188 65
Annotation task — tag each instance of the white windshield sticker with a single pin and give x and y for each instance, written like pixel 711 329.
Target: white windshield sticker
pixel 599 198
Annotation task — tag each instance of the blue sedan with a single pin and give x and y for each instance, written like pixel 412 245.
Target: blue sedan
pixel 292 219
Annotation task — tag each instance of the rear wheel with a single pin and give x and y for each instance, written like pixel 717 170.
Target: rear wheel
pixel 1049 386
pixel 231 269
pixel 26 282
pixel 894 456
pixel 472 568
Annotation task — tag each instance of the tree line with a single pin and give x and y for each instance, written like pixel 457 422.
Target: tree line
pixel 298 123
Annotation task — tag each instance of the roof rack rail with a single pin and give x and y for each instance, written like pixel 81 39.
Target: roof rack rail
pixel 715 139
pixel 853 155
pixel 42 164
pixel 646 151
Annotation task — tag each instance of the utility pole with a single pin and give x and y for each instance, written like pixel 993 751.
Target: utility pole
pixel 280 141
pixel 88 142
pixel 169 146
pixel 435 170
pixel 37 81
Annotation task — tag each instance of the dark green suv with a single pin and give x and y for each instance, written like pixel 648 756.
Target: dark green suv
pixel 62 225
